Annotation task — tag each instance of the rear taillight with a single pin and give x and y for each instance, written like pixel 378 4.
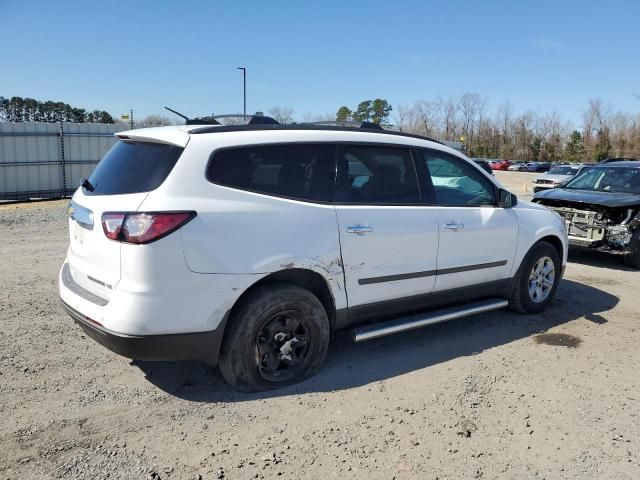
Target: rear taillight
pixel 142 228
pixel 112 224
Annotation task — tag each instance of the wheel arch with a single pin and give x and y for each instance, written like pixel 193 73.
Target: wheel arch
pixel 301 277
pixel 555 241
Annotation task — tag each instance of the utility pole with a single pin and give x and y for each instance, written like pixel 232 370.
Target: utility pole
pixel 244 89
pixel 131 119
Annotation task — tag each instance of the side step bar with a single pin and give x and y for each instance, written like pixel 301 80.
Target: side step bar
pixel 377 330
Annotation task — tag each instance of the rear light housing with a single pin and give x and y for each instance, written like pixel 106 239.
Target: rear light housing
pixel 143 227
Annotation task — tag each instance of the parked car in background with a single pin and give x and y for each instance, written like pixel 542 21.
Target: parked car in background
pixel 601 208
pixel 621 159
pixel 518 167
pixel 500 165
pixel 246 246
pixel 538 166
pixel 484 164
pixel 557 175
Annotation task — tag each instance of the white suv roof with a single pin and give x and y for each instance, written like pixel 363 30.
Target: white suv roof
pixel 179 135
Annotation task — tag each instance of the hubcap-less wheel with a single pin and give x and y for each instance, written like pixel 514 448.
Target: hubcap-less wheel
pixel 541 279
pixel 283 345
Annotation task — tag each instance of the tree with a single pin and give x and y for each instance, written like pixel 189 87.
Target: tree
pixel 380 110
pixel 425 116
pixel 18 109
pixel 156 121
pixel 602 147
pixel 469 107
pixel 363 112
pixel 282 114
pixel 4 104
pixel 595 120
pixel 343 114
pixel 518 135
pixel 447 110
pixel 405 118
pixel 574 149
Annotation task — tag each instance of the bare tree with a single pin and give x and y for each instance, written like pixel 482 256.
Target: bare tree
pixel 425 117
pixel 447 110
pixel 157 121
pixel 405 118
pixel 469 106
pixel 282 114
pixel 595 126
pixel 323 117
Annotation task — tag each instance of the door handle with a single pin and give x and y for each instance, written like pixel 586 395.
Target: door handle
pixel 454 226
pixel 359 229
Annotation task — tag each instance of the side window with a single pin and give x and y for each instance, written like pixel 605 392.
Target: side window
pixel 302 171
pixel 455 182
pixel 377 175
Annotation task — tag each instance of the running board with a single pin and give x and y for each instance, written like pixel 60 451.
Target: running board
pixel 383 329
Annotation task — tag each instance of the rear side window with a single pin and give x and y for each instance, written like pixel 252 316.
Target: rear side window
pixel 133 167
pixel 377 175
pixel 301 171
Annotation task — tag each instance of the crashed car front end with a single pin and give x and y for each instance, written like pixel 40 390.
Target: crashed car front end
pixel 597 226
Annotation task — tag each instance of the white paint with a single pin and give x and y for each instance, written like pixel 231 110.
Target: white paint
pixel 188 280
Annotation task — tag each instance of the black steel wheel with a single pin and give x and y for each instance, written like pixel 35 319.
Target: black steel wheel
pixel 277 335
pixel 283 345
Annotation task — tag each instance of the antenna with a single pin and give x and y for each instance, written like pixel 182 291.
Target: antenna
pixel 178 113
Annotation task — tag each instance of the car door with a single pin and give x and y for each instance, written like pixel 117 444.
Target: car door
pixel 477 237
pixel 389 240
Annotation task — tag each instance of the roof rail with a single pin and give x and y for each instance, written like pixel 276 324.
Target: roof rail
pixel 307 126
pixel 257 119
pixel 344 123
pixel 621 159
pixel 213 119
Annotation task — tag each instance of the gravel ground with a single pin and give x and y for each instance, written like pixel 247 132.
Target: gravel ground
pixel 498 395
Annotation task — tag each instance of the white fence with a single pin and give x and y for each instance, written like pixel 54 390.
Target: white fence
pixel 46 160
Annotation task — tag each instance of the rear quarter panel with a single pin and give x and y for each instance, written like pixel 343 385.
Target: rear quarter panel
pixel 238 232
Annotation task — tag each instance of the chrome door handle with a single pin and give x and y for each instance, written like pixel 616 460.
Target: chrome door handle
pixel 454 226
pixel 359 229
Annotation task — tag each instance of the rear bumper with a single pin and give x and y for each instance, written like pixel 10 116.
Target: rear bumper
pixel 203 346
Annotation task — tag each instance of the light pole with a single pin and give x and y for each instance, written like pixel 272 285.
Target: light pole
pixel 244 89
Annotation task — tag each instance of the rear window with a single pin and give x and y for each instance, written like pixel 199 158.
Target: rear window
pixel 301 171
pixel 378 175
pixel 133 167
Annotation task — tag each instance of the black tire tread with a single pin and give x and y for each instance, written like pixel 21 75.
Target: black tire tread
pixel 632 257
pixel 241 331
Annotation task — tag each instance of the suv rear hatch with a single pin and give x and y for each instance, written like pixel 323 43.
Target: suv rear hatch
pixel 122 180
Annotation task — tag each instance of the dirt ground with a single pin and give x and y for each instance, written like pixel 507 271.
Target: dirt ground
pixel 498 395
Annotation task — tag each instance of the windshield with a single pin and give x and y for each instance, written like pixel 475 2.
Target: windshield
pixel 612 179
pixel 563 171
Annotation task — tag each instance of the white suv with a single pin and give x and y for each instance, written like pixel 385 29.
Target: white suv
pixel 247 246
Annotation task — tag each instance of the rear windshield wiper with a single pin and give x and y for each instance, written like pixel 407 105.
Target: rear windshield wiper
pixel 86 184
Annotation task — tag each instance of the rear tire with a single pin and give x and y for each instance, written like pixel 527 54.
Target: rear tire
pixel 632 257
pixel 537 279
pixel 277 336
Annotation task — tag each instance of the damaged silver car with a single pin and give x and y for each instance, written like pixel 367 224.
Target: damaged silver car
pixel 601 208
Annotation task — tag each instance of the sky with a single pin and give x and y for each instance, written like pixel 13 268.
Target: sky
pixel 314 56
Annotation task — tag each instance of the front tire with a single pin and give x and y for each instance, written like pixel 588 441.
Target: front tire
pixel 537 279
pixel 277 336
pixel 632 257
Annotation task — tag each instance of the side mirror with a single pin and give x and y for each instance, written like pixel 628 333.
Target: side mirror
pixel 506 199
